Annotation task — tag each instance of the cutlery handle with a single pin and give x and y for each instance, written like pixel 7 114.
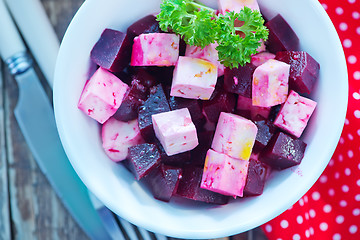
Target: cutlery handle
pixel 38 33
pixel 10 40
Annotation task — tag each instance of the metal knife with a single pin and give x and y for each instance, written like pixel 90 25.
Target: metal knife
pixel 35 115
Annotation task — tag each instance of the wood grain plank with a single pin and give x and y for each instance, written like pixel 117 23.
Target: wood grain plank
pixel 5 231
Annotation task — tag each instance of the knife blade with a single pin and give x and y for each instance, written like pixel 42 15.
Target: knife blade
pixel 35 115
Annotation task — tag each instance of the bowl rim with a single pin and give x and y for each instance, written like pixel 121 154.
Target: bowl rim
pixel 183 233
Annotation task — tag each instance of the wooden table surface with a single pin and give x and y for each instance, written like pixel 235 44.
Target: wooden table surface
pixel 29 208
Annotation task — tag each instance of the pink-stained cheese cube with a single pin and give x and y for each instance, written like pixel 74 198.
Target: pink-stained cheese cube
pixel 194 78
pixel 224 174
pixel 102 95
pixel 234 136
pixel 175 131
pixel 118 136
pixel 208 53
pixel 155 49
pixel 261 57
pixel 237 5
pixel 270 83
pixel 295 114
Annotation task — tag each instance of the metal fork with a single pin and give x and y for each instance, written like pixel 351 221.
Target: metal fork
pixel 120 229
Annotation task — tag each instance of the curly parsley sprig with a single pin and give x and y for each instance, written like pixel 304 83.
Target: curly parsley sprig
pixel 199 26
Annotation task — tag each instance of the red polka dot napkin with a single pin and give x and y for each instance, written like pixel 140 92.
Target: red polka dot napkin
pixel 330 210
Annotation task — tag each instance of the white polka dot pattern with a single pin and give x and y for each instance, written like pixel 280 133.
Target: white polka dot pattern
pixel 331 208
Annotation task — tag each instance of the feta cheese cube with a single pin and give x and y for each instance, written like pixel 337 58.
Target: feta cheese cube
pixel 295 114
pixel 175 131
pixel 102 95
pixel 194 78
pixel 155 49
pixel 208 53
pixel 118 136
pixel 224 174
pixel 270 83
pixel 261 57
pixel 237 5
pixel 234 136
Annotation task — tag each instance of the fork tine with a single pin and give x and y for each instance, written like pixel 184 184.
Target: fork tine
pixel 160 236
pixel 128 227
pixel 144 233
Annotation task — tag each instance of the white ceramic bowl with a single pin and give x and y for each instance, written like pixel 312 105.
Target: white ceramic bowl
pixel 116 187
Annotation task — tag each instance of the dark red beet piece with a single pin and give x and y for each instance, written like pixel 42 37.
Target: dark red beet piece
pixel 283 151
pixel 220 101
pixel 198 154
pixel 255 180
pixel 163 181
pixel 265 131
pixel 239 80
pixel 246 109
pixel 111 50
pixel 145 78
pixel 281 36
pixel 146 24
pixel 304 70
pixel 175 160
pixel 274 112
pixel 156 103
pixel 129 107
pixel 189 187
pixel 142 159
pixel 194 107
pixel 163 75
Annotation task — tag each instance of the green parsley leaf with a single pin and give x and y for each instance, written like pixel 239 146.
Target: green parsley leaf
pixel 194 22
pixel 199 26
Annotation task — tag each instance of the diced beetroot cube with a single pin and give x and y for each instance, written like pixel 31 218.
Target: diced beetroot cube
pixel 156 103
pixel 221 101
pixel 274 112
pixel 247 110
pixel 146 24
pixel 112 51
pixel 283 151
pixel 255 179
pixel 198 154
pixel 175 160
pixel 163 75
pixel 163 181
pixel 128 109
pixel 281 36
pixel 142 159
pixel 194 107
pixel 239 80
pixel 265 131
pixel 145 78
pixel 118 136
pixel 189 187
pixel 134 97
pixel 304 70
